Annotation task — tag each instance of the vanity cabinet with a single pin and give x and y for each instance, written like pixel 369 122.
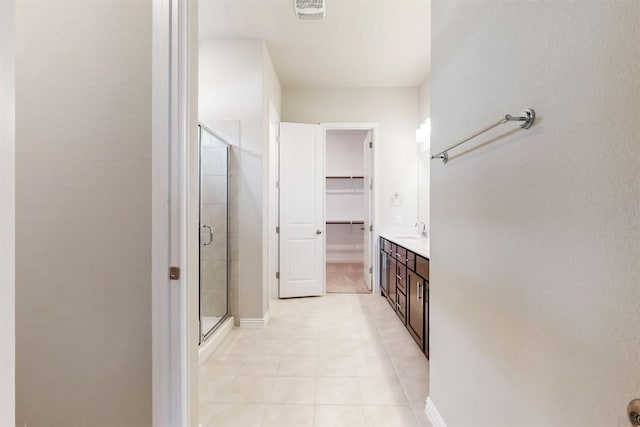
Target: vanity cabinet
pixel 401 290
pixel 404 281
pixel 415 295
pixel 385 266
pixel 389 273
pixel 388 282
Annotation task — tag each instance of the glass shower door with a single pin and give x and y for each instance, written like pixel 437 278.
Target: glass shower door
pixel 214 231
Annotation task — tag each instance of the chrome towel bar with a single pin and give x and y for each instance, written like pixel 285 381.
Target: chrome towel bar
pixel 527 121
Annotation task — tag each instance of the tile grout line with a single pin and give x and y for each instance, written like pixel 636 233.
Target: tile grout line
pixel 369 317
pixel 395 369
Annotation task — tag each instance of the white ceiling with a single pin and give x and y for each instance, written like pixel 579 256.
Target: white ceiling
pixel 360 43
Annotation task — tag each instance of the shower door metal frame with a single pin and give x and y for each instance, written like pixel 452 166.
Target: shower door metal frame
pixel 203 337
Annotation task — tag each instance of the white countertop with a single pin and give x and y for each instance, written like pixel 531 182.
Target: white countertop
pixel 415 244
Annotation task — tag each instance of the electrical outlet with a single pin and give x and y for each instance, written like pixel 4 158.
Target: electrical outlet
pixel 399 218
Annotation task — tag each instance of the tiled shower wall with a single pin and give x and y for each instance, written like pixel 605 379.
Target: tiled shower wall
pixel 214 213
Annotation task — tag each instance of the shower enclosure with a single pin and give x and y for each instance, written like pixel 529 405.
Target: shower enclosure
pixel 214 231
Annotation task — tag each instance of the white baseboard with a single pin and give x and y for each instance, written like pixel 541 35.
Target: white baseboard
pixel 255 323
pixel 433 415
pixel 207 349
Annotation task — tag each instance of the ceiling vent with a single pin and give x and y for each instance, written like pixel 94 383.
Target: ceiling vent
pixel 309 9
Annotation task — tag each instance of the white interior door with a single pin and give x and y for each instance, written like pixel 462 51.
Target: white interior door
pixel 302 225
pixel 368 269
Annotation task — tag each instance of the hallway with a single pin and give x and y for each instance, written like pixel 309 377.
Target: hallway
pixel 337 360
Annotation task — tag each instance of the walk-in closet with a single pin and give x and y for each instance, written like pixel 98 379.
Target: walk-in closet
pixel 347 209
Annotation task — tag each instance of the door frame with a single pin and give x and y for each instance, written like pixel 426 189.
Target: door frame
pixel 174 318
pixel 273 203
pixel 373 202
pixel 7 214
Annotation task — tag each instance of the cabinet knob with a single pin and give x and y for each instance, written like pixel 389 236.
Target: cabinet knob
pixel 318 231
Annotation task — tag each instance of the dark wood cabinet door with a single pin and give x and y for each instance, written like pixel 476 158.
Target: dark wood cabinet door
pixel 393 290
pixel 384 273
pixel 426 320
pixel 416 309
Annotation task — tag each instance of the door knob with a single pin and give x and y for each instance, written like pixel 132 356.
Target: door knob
pixel 318 231
pixel 633 410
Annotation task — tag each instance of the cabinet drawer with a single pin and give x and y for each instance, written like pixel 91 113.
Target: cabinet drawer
pixel 411 260
pixel 401 277
pixel 422 267
pixel 386 246
pixel 401 255
pixel 401 307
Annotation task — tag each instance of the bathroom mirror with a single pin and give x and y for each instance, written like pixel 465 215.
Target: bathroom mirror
pixel 423 186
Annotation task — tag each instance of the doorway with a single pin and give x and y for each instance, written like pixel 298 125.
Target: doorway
pixel 347 210
pixel 326 208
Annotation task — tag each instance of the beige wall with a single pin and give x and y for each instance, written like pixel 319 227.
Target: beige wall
pixel 7 213
pixel 396 111
pixel 535 268
pixel 236 83
pixel 83 208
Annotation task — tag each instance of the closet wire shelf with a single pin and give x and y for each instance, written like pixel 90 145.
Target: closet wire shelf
pixel 527 121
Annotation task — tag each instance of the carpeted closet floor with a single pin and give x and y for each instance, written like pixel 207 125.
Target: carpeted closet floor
pixel 346 278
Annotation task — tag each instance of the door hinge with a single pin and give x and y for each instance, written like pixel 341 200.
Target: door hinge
pixel 371 144
pixel 277 274
pixel 370 270
pixel 371 228
pixel 371 185
pixel 277 230
pixel 174 273
pixel 277 184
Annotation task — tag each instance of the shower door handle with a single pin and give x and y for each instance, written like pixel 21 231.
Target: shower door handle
pixel 210 235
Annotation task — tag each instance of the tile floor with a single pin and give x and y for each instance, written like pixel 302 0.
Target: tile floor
pixel 337 360
pixel 346 278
